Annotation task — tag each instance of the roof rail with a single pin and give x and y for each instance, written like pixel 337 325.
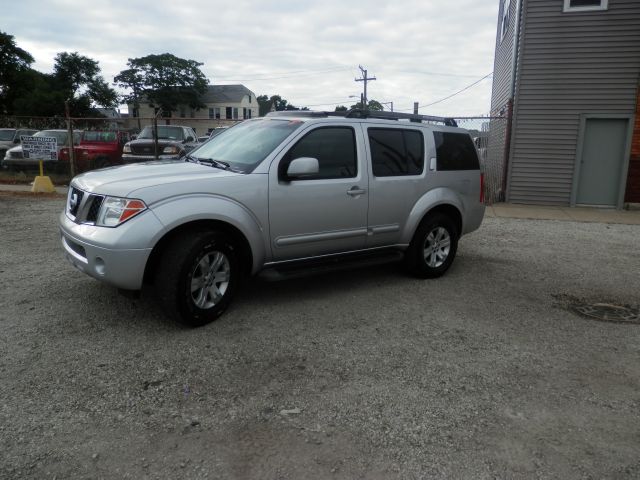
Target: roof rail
pixel 359 113
pixel 305 113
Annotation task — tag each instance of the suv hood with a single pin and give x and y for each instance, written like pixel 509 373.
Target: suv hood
pixel 125 180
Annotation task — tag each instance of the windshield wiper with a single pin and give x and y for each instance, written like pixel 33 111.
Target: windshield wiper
pixel 208 161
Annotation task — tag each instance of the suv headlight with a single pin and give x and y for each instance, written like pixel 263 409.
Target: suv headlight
pixel 126 148
pixel 114 211
pixel 173 150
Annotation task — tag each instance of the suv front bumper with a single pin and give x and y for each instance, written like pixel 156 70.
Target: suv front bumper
pixel 109 254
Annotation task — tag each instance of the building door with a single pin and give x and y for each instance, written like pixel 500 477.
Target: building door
pixel 604 146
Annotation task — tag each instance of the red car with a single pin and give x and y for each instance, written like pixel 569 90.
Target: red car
pixel 98 149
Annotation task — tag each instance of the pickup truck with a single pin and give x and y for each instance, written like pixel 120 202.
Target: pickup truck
pixel 174 142
pixel 98 149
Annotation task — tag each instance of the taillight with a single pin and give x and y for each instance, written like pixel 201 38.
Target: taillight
pixel 481 187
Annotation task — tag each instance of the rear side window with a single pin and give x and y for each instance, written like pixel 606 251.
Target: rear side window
pixel 455 151
pixel 396 152
pixel 335 149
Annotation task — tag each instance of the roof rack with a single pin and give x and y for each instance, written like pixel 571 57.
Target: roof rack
pixel 359 113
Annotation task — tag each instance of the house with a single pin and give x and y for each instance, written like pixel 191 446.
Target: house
pixel 224 105
pixel 567 76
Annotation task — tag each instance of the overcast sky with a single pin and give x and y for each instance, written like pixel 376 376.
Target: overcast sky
pixel 306 51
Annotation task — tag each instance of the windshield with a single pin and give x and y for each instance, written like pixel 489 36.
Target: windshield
pixel 60 136
pixel 245 145
pixel 164 132
pixel 6 134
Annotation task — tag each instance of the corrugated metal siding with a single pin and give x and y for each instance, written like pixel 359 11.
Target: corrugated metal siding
pixel 570 64
pixel 503 62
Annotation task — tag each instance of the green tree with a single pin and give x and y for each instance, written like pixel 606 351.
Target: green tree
pixel 371 105
pixel 79 78
pixel 341 108
pixel 14 63
pixel 266 103
pixel 164 81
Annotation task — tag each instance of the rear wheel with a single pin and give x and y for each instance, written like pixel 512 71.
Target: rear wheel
pixel 433 247
pixel 197 277
pixel 100 162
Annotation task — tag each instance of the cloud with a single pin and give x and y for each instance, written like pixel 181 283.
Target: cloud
pixel 419 50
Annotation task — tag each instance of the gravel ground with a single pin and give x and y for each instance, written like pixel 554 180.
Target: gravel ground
pixel 365 374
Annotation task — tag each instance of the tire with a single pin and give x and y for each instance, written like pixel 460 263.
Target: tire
pixel 183 282
pixel 100 162
pixel 421 258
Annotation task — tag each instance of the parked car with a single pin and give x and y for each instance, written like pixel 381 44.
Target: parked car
pixel 174 142
pixel 284 194
pixel 98 149
pixel 10 137
pixel 14 158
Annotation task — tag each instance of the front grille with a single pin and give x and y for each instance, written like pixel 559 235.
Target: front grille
pixel 83 207
pixel 75 199
pixel 143 149
pixel 17 154
pixel 94 208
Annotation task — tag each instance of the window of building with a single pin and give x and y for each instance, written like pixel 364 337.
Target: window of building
pixel 455 151
pixel 585 5
pixel 135 113
pixel 396 152
pixel 235 113
pixel 506 14
pixel 335 149
pixel 216 111
pixel 212 113
pixel 228 113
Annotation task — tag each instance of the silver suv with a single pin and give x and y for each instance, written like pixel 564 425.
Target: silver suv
pixel 279 194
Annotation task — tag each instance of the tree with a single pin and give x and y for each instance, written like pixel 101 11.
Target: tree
pixel 164 81
pixel 266 103
pixel 373 105
pixel 341 108
pixel 14 63
pixel 79 78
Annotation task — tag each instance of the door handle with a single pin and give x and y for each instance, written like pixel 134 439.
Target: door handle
pixel 355 191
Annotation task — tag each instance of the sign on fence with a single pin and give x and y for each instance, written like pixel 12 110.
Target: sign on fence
pixel 39 148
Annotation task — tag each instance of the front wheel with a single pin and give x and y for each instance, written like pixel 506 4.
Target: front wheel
pixel 433 247
pixel 197 277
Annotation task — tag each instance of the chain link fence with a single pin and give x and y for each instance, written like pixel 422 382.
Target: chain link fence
pixel 490 134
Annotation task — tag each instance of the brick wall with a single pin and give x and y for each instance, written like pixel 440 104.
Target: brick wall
pixel 632 194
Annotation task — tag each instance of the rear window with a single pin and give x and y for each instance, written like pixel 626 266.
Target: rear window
pixel 455 151
pixel 396 152
pixel 99 136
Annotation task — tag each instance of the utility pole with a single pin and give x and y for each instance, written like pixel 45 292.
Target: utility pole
pixel 364 79
pixel 72 153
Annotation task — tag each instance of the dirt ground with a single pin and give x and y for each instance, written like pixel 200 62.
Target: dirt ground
pixel 369 374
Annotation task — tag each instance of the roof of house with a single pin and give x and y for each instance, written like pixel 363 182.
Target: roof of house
pixel 225 93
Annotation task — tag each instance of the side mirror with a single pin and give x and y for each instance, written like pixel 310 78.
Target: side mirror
pixel 189 139
pixel 302 167
pixel 16 140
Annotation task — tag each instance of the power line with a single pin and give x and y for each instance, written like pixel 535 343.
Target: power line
pixel 458 92
pixel 299 73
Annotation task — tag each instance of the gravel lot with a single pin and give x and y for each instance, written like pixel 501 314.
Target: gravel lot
pixel 366 374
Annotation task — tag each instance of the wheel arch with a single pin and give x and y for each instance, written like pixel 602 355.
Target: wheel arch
pixel 439 200
pixel 238 238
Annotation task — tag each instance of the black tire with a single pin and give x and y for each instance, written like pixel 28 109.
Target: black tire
pixel 100 162
pixel 181 267
pixel 424 261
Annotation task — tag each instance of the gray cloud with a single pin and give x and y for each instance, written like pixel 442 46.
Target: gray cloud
pixel 419 50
